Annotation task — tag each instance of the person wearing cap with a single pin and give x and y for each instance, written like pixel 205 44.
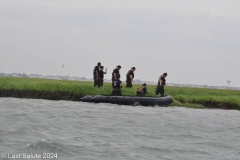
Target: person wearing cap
pixel 130 77
pixel 116 86
pixel 141 91
pixel 96 73
pixel 101 76
pixel 115 73
pixel 161 84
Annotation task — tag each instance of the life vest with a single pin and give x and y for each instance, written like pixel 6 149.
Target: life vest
pixel 94 69
pixel 128 74
pixel 140 89
pixel 117 74
pixel 101 74
pixel 163 80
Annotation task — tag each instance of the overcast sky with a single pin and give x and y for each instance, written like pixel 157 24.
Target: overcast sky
pixel 194 41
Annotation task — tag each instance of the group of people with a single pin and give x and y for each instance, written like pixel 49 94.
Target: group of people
pixel 98 76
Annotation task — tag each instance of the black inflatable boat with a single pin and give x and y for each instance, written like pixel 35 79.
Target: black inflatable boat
pixel 129 100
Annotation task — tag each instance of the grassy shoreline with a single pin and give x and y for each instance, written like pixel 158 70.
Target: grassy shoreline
pixel 74 90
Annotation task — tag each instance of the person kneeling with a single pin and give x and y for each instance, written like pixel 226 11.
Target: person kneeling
pixel 116 86
pixel 141 91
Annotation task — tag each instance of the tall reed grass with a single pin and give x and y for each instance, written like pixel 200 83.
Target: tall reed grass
pixel 73 90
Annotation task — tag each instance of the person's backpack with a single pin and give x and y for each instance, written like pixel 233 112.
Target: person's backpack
pixel 128 73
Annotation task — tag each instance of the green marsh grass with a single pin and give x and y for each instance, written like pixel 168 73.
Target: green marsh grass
pixel 73 90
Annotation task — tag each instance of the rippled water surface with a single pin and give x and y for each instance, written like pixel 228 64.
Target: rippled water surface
pixel 77 130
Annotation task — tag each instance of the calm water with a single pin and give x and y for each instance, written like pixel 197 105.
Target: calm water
pixel 77 130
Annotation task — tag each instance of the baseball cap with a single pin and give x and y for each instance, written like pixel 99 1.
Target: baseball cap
pixel 118 66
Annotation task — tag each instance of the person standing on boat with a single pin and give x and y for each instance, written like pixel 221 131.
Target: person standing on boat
pixel 116 87
pixel 130 77
pixel 101 76
pixel 115 73
pixel 96 74
pixel 161 84
pixel 141 91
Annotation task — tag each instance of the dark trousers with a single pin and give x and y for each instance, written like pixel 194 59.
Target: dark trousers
pixel 160 89
pixel 116 92
pixel 129 83
pixel 100 82
pixel 95 81
pixel 140 94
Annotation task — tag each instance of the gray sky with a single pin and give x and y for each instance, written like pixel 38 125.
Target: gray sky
pixel 195 41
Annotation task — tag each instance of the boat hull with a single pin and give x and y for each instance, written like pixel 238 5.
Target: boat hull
pixel 129 100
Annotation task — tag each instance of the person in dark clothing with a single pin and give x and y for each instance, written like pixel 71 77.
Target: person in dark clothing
pixel 161 84
pixel 116 87
pixel 101 76
pixel 115 73
pixel 141 91
pixel 130 77
pixel 96 73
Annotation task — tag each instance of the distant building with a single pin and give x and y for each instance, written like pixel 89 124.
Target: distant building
pixel 16 74
pixel 35 76
pixel 63 77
